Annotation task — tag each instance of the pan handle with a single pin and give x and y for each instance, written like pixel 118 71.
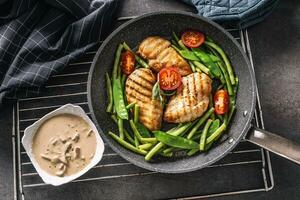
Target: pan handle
pixel 275 143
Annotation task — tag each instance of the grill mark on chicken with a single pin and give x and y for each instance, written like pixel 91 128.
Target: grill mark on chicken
pixel 160 54
pixel 139 85
pixel 192 101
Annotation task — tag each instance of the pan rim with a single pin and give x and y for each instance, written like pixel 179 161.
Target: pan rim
pixel 250 114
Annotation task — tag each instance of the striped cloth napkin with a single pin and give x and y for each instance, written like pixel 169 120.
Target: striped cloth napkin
pixel 39 37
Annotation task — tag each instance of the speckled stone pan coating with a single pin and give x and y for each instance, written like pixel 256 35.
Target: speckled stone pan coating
pixel 162 24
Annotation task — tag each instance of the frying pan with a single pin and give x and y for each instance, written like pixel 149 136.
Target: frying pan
pixel 162 24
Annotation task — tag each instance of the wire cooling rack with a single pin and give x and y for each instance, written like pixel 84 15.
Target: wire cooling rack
pixel 246 169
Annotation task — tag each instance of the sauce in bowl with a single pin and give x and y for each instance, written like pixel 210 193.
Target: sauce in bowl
pixel 64 144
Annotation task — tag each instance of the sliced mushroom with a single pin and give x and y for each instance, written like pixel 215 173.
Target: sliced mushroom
pixel 76 152
pixel 62 171
pixel 89 133
pixel 75 138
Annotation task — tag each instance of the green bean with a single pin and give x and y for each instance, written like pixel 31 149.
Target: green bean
pixel 136 141
pixel 200 122
pixel 231 113
pixel 228 84
pixel 117 61
pixel 182 45
pixel 201 67
pixel 123 80
pixel 136 113
pixel 148 140
pixel 204 134
pixel 127 135
pixel 159 145
pixel 213 127
pixel 137 58
pixel 205 58
pixel 170 154
pixel 192 152
pixel 170 149
pixel 216 134
pixel 175 36
pixel 109 94
pixel 134 129
pixel 211 105
pixel 225 58
pixel 126 144
pixel 131 105
pixel 192 66
pixel 121 129
pixel 119 99
pixel 189 55
pixel 145 146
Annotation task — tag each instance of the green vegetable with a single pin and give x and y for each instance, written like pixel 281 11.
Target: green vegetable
pixel 213 127
pixel 117 61
pixel 189 55
pixel 127 135
pixel 175 141
pixel 205 58
pixel 109 94
pixel 148 140
pixel 121 129
pixel 137 58
pixel 225 74
pixel 119 99
pixel 231 113
pixel 134 129
pixel 175 36
pixel 158 146
pixel 136 141
pixel 211 105
pixel 130 105
pixel 192 66
pixel 145 146
pixel 192 152
pixel 225 58
pixel 136 113
pixel 201 67
pixel 200 122
pixel 142 130
pixel 170 149
pixel 170 154
pixel 123 80
pixel 182 45
pixel 216 134
pixel 204 134
pixel 126 144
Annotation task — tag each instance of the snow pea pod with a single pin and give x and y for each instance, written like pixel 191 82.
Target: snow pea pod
pixel 109 94
pixel 142 130
pixel 119 99
pixel 205 58
pixel 175 141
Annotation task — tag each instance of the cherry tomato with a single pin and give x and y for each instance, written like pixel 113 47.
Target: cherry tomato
pixel 221 100
pixel 192 38
pixel 169 78
pixel 128 61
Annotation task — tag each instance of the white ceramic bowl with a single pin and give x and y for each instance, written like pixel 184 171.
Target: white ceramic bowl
pixel 31 131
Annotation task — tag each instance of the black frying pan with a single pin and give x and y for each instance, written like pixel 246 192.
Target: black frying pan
pixel 162 24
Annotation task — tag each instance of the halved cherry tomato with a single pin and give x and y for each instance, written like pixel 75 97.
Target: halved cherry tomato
pixel 221 100
pixel 128 61
pixel 169 78
pixel 192 38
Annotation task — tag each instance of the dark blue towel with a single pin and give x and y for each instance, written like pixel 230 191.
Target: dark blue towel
pixel 238 13
pixel 39 37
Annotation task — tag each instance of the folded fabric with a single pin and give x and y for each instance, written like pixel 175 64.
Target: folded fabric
pixel 238 13
pixel 39 37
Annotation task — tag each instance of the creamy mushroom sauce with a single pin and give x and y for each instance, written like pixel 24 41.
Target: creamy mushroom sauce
pixel 64 145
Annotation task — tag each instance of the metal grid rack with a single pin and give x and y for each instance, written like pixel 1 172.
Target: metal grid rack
pixel 246 169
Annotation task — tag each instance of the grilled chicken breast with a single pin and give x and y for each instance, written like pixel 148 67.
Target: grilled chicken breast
pixel 192 101
pixel 160 54
pixel 138 89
